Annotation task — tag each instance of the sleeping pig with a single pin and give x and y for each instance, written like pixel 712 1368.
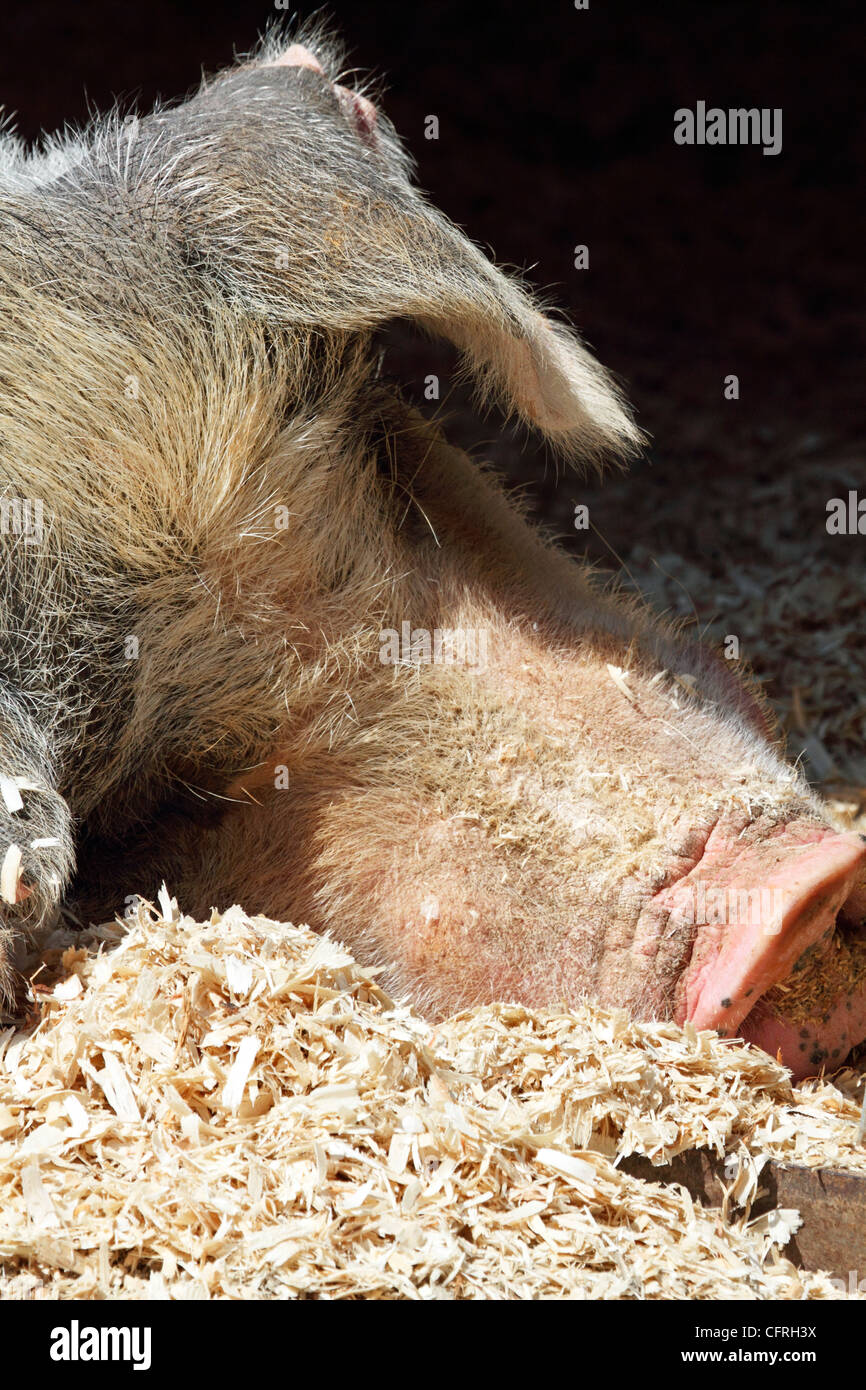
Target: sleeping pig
pixel 267 636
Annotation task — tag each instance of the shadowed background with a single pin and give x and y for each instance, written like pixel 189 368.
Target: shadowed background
pixel 556 129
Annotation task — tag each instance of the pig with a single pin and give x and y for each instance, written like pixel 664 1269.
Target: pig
pixel 267 636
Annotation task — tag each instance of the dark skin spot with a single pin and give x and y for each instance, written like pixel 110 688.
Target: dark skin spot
pixel 802 1047
pixel 835 1052
pixel 726 1003
pixel 805 957
pixel 748 992
pixel 804 1032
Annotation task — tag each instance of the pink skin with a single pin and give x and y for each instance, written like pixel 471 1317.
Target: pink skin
pixel 361 112
pixel 800 877
pixel 807 1047
pixel 296 56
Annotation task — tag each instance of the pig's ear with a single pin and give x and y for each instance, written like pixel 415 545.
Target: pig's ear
pixel 305 225
pixel 517 356
pixel 413 263
pixel 416 264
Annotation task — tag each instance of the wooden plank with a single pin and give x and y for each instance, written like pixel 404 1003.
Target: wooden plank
pixel 831 1202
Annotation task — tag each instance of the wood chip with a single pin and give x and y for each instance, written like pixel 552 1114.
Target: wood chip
pixel 10 794
pixel 10 872
pixel 235 1109
pixel 618 677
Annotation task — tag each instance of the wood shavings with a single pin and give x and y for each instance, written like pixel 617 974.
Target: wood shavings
pixel 618 676
pixel 782 1224
pixel 235 1109
pixel 37 1201
pixel 237 1078
pixel 819 979
pixel 10 794
pixel 68 989
pixel 10 872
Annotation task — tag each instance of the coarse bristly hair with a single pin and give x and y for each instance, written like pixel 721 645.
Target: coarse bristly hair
pixel 213 509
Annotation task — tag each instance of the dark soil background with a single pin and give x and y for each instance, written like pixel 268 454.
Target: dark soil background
pixel 556 129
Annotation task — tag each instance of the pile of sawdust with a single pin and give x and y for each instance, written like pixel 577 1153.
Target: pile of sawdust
pixel 235 1109
pixel 823 975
